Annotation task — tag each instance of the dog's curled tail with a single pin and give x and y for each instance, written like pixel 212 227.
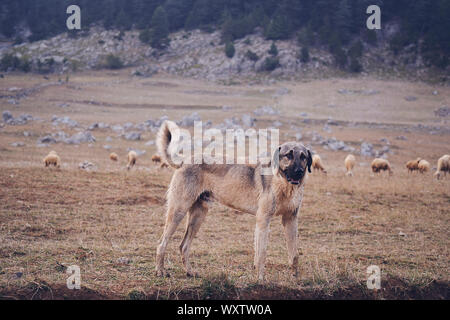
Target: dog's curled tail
pixel 163 140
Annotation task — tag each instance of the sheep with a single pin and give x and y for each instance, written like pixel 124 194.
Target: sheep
pixel 350 164
pixel 113 156
pixel 164 165
pixel 443 166
pixel 379 164
pixel 156 158
pixel 317 164
pixel 424 166
pixel 132 157
pixel 413 165
pixel 52 159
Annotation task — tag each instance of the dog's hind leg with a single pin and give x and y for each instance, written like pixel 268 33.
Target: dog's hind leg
pixel 290 224
pixel 173 219
pixel 196 216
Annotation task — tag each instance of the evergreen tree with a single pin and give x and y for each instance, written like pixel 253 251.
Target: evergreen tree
pixel 304 55
pixel 160 29
pixel 278 28
pixel 343 20
pixel 229 50
pixel 273 51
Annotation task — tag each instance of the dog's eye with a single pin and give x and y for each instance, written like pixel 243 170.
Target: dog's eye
pixel 290 155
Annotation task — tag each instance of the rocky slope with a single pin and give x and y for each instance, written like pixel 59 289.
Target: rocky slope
pixel 201 55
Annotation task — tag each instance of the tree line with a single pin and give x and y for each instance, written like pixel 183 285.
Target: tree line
pixel 332 24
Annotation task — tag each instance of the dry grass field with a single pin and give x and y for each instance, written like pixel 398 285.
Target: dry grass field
pixel 108 221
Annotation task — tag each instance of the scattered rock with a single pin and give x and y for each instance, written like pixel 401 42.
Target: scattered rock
pixel 150 143
pixel 124 260
pixel 188 121
pixel 403 138
pixel 46 140
pixel 442 112
pixel 17 144
pixel 266 110
pixel 80 137
pixel 132 136
pixel 7 115
pixel 410 98
pixel 86 165
pixel 248 121
pixel 64 120
pixel 367 149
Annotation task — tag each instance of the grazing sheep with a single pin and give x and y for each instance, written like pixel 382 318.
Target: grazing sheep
pixel 379 165
pixel 317 164
pixel 52 159
pixel 156 158
pixel 164 165
pixel 132 157
pixel 113 156
pixel 350 164
pixel 443 166
pixel 424 166
pixel 413 165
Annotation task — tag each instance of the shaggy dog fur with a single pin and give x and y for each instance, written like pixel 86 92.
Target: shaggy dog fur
pixel 241 187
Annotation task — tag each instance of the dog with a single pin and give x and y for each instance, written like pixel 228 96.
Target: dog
pixel 240 187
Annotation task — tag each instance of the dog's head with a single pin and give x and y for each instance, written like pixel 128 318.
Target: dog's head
pixel 291 160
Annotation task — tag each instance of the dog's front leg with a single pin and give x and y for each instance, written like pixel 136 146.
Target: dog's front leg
pixel 290 224
pixel 261 241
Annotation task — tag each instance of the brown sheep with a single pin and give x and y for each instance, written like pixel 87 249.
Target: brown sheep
pixel 156 158
pixel 164 165
pixel 52 159
pixel 424 166
pixel 443 166
pixel 350 164
pixel 132 157
pixel 379 165
pixel 113 156
pixel 317 164
pixel 413 165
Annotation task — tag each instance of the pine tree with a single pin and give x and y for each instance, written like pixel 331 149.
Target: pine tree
pixel 343 20
pixel 229 50
pixel 160 29
pixel 273 51
pixel 304 55
pixel 278 28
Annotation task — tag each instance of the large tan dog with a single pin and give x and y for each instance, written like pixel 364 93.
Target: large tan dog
pixel 241 187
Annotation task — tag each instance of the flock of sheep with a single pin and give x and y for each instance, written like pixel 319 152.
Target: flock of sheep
pixel 378 165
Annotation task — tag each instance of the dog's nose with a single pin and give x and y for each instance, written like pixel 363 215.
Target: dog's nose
pixel 299 171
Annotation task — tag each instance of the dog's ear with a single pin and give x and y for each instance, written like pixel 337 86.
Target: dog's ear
pixel 309 160
pixel 276 161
